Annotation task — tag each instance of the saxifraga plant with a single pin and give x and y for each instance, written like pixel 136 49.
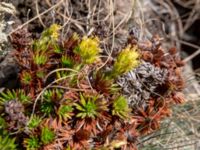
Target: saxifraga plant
pixel 32 143
pixel 34 122
pixel 39 60
pixel 120 107
pixel 47 135
pixel 51 100
pixel 7 143
pixel 65 111
pixel 91 106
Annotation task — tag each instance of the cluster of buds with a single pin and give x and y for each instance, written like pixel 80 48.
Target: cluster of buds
pixel 15 111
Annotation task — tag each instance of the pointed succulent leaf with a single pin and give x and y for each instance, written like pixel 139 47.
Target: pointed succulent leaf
pixel 83 102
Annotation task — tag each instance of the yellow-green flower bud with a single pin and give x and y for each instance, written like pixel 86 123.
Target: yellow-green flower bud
pixel 127 60
pixel 52 32
pixel 89 49
pixel 48 37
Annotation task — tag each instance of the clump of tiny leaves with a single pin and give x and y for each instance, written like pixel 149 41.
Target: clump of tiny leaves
pixel 69 96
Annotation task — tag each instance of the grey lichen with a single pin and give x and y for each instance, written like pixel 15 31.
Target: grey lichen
pixel 139 84
pixel 5 8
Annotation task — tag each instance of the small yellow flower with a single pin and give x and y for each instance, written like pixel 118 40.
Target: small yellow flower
pixel 89 49
pixel 48 37
pixel 53 30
